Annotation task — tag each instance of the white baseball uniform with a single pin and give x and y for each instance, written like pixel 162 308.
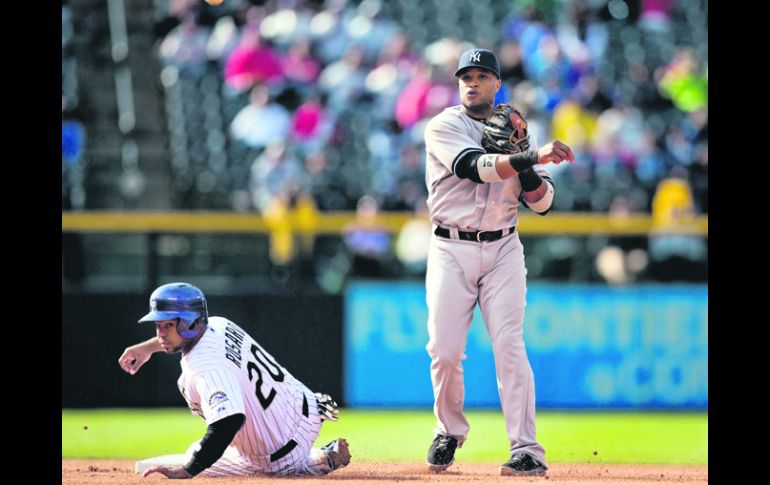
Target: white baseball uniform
pixel 461 273
pixel 228 372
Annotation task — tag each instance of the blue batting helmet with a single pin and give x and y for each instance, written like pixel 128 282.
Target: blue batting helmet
pixel 179 300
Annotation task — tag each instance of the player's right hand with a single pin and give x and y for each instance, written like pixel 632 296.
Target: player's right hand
pixel 133 359
pixel 168 472
pixel 555 152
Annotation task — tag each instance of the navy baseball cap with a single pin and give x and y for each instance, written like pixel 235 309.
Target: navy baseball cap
pixel 481 58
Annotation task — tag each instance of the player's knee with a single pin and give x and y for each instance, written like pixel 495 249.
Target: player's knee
pixel 512 332
pixel 445 356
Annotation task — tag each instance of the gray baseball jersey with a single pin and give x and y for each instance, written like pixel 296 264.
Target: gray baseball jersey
pixel 228 372
pixel 461 273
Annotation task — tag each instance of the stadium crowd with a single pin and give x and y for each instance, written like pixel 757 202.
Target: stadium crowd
pixel 330 98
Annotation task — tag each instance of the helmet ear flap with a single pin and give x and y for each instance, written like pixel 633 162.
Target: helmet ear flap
pixel 188 329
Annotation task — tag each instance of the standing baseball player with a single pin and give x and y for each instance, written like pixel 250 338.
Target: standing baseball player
pixel 480 169
pixel 261 420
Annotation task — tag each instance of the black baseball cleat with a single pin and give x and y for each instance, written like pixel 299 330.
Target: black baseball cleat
pixel 441 453
pixel 523 465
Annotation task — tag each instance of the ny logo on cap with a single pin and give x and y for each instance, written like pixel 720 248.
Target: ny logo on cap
pixel 474 56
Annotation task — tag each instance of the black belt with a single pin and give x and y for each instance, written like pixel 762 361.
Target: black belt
pixel 476 236
pixel 286 449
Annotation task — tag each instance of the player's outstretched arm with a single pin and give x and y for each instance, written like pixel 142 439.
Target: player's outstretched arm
pixel 168 472
pixel 135 356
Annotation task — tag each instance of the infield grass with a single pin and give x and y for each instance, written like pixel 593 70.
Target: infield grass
pixel 385 435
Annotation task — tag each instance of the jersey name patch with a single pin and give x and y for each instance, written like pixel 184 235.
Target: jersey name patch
pixel 233 341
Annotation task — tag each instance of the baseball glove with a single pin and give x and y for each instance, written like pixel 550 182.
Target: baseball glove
pixel 505 131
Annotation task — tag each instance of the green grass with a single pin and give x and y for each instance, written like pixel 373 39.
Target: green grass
pixel 377 435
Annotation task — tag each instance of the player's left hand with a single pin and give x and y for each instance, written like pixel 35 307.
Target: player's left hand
pixel 169 472
pixel 505 131
pixel 133 358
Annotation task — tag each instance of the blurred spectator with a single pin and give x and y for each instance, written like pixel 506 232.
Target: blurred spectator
pixel 675 255
pixel 590 94
pixel 276 214
pixel 371 29
pixel 413 240
pixel 511 67
pixel 223 39
pixel 321 182
pixel 299 66
pixel 390 74
pixel 547 61
pixel 444 53
pixel 651 165
pixel 252 62
pixel 582 35
pixel 368 241
pixel 611 265
pixel 262 121
pixel 623 259
pixel 177 9
pixel 411 104
pixel 398 51
pixel 685 81
pixel 72 142
pixel 311 127
pixel 412 192
pixel 655 15
pixel 572 124
pixel 275 174
pixel 329 31
pixel 678 146
pixel 185 46
pixel 288 24
pixel 646 95
pixel 343 81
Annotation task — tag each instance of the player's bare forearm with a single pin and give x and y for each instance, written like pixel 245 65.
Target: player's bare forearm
pixel 151 345
pixel 135 356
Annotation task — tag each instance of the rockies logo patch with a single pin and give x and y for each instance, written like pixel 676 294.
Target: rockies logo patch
pixel 217 398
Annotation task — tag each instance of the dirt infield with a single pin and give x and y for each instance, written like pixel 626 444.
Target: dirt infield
pixel 90 472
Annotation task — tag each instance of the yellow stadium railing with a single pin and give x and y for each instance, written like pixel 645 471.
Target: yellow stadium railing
pixel 313 222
